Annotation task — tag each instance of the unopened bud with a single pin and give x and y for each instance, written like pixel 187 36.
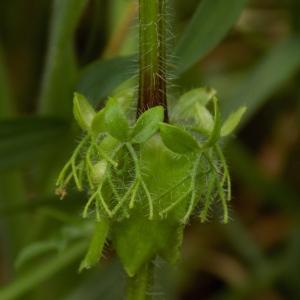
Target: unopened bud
pixel 98 171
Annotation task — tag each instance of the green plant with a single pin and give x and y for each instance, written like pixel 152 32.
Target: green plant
pixel 91 49
pixel 145 179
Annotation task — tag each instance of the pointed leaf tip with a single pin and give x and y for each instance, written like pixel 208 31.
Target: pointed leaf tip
pixel 147 124
pixel 116 122
pixel 177 139
pixel 83 112
pixel 216 130
pixel 233 121
pixel 96 246
pixel 98 123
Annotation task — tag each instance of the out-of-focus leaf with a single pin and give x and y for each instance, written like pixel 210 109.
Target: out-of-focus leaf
pixel 266 78
pixel 246 170
pixel 26 139
pixel 100 78
pixel 60 69
pixel 202 34
pixel 185 106
pixel 101 284
pixel 34 250
pixel 41 272
pixel 211 21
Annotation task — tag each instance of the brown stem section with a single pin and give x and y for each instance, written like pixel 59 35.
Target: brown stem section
pixel 152 57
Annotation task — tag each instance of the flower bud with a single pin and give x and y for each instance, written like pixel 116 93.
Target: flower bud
pixel 98 171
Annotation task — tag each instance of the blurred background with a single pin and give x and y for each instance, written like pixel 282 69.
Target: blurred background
pixel 248 50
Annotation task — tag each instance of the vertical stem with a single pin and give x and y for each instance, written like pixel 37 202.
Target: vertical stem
pixel 152 55
pixel 152 92
pixel 138 285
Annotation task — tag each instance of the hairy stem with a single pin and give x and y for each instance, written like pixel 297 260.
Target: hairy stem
pixel 152 55
pixel 138 285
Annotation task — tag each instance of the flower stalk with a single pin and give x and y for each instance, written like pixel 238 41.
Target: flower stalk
pixel 152 56
pixel 138 284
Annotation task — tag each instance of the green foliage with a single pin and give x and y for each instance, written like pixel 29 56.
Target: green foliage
pixel 202 96
pixel 60 69
pixel 34 250
pixel 34 135
pixel 202 34
pixel 204 118
pixel 263 80
pixel 141 180
pixel 57 244
pixel 101 77
pixel 232 121
pixel 216 130
pixel 96 245
pixel 177 139
pixel 147 124
pixel 116 122
pixel 138 240
pixel 98 123
pixel 42 271
pixel 120 195
pixel 83 112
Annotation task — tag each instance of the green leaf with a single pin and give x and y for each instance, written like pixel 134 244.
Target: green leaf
pixel 137 240
pixel 100 284
pixel 98 123
pixel 116 122
pixel 96 245
pixel 147 124
pixel 177 139
pixel 61 68
pixel 211 22
pixel 27 139
pixel 216 131
pixel 83 112
pixel 204 118
pixel 100 78
pixel 199 38
pixel 185 107
pixel 232 121
pixel 34 250
pixel 267 77
pixel 40 272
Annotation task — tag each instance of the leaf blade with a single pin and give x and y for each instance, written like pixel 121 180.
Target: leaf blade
pixel 96 245
pixel 265 78
pixel 177 139
pixel 98 79
pixel 83 112
pixel 147 124
pixel 26 139
pixel 116 122
pixel 232 121
pixel 202 34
